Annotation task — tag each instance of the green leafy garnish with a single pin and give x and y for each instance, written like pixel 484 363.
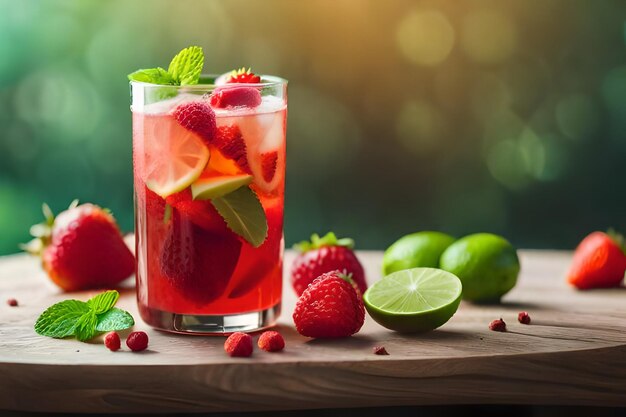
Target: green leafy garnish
pixel 184 69
pixel 243 214
pixel 102 303
pixel 153 76
pixel 84 319
pixel 60 320
pixel 113 320
pixel 329 239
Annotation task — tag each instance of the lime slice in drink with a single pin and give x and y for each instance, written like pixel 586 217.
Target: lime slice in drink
pixel 414 300
pixel 218 186
pixel 174 157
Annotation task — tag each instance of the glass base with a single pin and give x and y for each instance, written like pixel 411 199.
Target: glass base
pixel 210 325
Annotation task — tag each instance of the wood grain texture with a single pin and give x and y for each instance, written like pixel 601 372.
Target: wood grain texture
pixel 574 353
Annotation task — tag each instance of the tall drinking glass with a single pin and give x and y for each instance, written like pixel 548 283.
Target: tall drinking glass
pixel 204 264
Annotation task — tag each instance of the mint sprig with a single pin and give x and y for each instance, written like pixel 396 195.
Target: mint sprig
pixel 184 69
pixel 84 320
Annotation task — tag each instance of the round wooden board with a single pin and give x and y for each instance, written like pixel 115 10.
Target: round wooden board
pixel 574 352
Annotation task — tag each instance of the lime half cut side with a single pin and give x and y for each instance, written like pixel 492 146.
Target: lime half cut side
pixel 414 300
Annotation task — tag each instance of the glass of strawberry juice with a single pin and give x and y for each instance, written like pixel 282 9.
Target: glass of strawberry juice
pixel 209 177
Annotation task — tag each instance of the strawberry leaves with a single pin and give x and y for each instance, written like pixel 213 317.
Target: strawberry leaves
pixel 329 239
pixel 84 319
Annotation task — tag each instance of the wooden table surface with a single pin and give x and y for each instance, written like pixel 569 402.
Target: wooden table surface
pixel 573 353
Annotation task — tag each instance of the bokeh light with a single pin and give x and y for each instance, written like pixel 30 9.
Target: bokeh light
pixel 425 37
pixel 403 115
pixel 488 36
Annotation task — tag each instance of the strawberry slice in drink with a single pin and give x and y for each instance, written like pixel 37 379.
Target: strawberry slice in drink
pixel 199 212
pixel 259 263
pixel 198 262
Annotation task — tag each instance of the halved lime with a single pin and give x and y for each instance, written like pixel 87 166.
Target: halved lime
pixel 173 157
pixel 218 186
pixel 414 300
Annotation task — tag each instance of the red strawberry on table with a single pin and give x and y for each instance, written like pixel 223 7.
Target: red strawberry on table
pixel 197 262
pixel 82 248
pixel 330 307
pixel 322 255
pixel 197 117
pixel 599 262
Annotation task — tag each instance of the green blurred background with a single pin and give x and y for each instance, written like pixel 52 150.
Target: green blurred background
pixel 463 116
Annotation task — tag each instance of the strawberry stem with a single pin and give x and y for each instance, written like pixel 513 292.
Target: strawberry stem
pixel 618 238
pixel 329 239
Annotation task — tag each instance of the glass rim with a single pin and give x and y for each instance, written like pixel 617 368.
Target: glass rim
pixel 272 81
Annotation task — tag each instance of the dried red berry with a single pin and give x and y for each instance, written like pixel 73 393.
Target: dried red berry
pixel 12 302
pixel 112 341
pixel 238 344
pixel 380 350
pixel 523 318
pixel 271 341
pixel 497 325
pixel 137 341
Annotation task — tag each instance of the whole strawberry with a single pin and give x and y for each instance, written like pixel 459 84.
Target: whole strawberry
pixel 599 262
pixel 330 307
pixel 322 255
pixel 81 248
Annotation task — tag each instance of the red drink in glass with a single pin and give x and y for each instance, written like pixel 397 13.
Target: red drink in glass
pixel 194 273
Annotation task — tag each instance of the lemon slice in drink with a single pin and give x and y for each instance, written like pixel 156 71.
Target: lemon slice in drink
pixel 174 157
pixel 414 300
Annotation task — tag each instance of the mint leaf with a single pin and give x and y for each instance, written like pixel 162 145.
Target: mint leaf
pixel 86 326
pixel 243 214
pixel 103 302
pixel 60 320
pixel 152 76
pixel 186 67
pixel 84 320
pixel 113 320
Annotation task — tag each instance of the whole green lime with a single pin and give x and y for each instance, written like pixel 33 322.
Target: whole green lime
pixel 487 265
pixel 421 249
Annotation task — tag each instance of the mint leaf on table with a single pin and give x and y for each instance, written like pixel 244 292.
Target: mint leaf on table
pixel 243 214
pixel 152 76
pixel 84 319
pixel 60 319
pixel 86 326
pixel 113 320
pixel 103 302
pixel 186 66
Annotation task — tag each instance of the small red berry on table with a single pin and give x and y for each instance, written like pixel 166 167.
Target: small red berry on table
pixel 523 317
pixel 271 341
pixel 238 344
pixel 380 350
pixel 112 341
pixel 137 341
pixel 12 302
pixel 497 325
